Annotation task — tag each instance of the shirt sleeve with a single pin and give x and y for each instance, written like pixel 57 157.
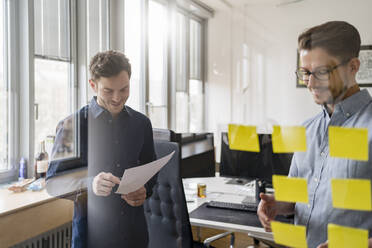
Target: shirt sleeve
pixel 148 155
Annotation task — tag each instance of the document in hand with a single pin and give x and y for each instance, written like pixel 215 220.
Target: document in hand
pixel 134 178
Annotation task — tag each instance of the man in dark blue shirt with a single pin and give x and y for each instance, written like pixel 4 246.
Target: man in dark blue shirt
pixel 112 138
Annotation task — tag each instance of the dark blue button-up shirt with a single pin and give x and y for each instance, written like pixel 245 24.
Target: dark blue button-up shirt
pixel 108 145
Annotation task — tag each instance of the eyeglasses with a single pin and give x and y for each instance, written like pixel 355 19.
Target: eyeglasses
pixel 321 74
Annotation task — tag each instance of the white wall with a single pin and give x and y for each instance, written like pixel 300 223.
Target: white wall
pixel 270 32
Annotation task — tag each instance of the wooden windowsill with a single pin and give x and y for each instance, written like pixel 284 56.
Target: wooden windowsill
pixel 27 214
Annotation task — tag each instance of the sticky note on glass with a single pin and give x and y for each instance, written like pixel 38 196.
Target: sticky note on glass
pixel 243 138
pixel 289 235
pixel 289 139
pixel 352 194
pixel 345 237
pixel 290 189
pixel 350 143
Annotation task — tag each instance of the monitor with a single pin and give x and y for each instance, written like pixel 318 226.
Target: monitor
pixel 261 165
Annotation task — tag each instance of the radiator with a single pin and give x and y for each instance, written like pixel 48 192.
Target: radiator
pixel 59 237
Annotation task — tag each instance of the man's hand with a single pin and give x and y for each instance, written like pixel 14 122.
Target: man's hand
pixel 103 183
pixel 136 198
pixel 267 210
pixel 323 245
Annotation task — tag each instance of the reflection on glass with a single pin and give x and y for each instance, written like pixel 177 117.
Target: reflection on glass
pixel 132 44
pixel 3 100
pixel 157 62
pixel 52 101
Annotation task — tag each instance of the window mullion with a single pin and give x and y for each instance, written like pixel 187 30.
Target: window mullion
pixel 187 28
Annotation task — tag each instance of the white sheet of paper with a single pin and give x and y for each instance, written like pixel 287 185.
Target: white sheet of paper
pixel 134 178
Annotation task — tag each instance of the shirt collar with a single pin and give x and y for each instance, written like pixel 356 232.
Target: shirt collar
pixel 352 104
pixel 96 110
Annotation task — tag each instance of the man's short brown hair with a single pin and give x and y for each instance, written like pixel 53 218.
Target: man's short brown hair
pixel 338 38
pixel 108 64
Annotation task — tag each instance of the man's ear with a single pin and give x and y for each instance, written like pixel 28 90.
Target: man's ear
pixel 354 65
pixel 93 85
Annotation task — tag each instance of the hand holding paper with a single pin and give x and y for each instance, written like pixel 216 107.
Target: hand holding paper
pixel 134 178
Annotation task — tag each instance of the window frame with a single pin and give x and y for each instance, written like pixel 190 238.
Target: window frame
pixel 20 54
pixel 8 173
pixel 19 62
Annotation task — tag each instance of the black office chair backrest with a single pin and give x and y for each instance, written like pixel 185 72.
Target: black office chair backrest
pixel 166 211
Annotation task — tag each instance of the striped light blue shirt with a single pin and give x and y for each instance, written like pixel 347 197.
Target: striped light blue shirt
pixel 319 168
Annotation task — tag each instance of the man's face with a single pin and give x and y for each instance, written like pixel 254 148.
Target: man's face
pixel 325 91
pixel 112 92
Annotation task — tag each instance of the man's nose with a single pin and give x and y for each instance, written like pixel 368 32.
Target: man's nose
pixel 311 82
pixel 116 96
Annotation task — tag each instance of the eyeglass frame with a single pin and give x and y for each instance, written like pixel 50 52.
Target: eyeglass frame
pixel 329 71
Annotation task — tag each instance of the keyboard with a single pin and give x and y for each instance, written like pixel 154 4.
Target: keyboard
pixel 233 206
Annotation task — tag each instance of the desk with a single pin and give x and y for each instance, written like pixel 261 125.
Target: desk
pixel 219 190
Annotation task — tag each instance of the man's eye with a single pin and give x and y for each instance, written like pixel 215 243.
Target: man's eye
pixel 305 72
pixel 322 72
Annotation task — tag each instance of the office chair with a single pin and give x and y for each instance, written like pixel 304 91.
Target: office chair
pixel 166 210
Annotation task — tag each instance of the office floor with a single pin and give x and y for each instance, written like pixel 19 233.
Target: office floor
pixel 241 239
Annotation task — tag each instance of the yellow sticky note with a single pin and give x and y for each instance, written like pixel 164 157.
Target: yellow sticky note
pixel 345 237
pixel 289 234
pixel 351 194
pixel 290 189
pixel 289 139
pixel 243 138
pixel 350 143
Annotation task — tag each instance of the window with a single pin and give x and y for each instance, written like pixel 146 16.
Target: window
pixel 163 42
pixel 189 95
pixel 157 33
pixel 3 97
pixel 51 105
pixel 182 97
pixel 132 44
pixel 196 78
pixel 54 88
pixel 97 32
